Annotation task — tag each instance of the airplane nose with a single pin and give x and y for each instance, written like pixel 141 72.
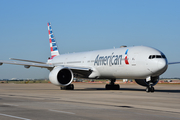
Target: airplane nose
pixel 162 65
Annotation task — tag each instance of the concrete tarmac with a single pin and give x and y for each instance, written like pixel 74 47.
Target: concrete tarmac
pixel 88 101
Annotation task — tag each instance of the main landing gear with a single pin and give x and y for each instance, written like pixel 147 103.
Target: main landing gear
pixel 69 87
pixel 150 88
pixel 112 86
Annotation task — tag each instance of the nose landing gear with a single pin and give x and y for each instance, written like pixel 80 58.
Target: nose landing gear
pixel 150 88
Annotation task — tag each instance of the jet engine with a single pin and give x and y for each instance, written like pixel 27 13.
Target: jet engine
pixel 61 76
pixel 143 82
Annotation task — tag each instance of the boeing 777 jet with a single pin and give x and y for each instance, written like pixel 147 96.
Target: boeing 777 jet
pixel 141 63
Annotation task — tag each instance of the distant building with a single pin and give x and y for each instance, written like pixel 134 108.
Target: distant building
pixel 125 80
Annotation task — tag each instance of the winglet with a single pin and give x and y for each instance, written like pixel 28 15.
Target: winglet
pixel 53 44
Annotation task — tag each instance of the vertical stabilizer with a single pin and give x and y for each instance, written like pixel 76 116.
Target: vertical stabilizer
pixel 53 44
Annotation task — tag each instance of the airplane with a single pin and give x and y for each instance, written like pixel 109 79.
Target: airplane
pixel 141 63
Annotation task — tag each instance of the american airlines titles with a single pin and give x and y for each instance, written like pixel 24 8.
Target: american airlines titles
pixel 108 60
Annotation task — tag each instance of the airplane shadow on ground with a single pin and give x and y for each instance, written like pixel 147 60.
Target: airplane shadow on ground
pixel 134 89
pixel 126 89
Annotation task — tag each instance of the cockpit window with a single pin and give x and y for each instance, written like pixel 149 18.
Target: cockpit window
pixel 156 56
pixel 163 56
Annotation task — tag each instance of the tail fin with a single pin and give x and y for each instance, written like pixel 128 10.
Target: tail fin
pixel 53 44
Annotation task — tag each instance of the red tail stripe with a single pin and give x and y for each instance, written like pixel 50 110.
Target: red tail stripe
pixel 51 48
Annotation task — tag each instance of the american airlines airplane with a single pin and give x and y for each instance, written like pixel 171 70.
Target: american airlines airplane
pixel 141 63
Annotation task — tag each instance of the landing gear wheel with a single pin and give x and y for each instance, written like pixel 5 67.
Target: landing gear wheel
pixel 69 87
pixel 150 89
pixel 112 87
pixel 147 89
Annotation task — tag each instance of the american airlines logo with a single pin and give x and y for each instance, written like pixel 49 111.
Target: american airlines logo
pixel 111 59
pixel 108 60
pixel 126 59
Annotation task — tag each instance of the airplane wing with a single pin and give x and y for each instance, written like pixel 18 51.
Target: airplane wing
pixel 27 60
pixel 173 63
pixel 28 64
pixel 78 70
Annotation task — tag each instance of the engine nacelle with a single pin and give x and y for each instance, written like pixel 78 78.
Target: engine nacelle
pixel 61 76
pixel 143 82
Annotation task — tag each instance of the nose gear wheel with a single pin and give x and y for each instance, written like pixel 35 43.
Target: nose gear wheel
pixel 150 88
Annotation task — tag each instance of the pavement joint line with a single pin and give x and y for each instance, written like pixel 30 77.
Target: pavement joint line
pixel 61 111
pixel 9 104
pixel 132 106
pixel 14 116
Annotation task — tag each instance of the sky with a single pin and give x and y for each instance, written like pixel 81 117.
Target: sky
pixel 85 25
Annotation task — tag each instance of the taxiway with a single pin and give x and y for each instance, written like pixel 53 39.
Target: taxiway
pixel 88 102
